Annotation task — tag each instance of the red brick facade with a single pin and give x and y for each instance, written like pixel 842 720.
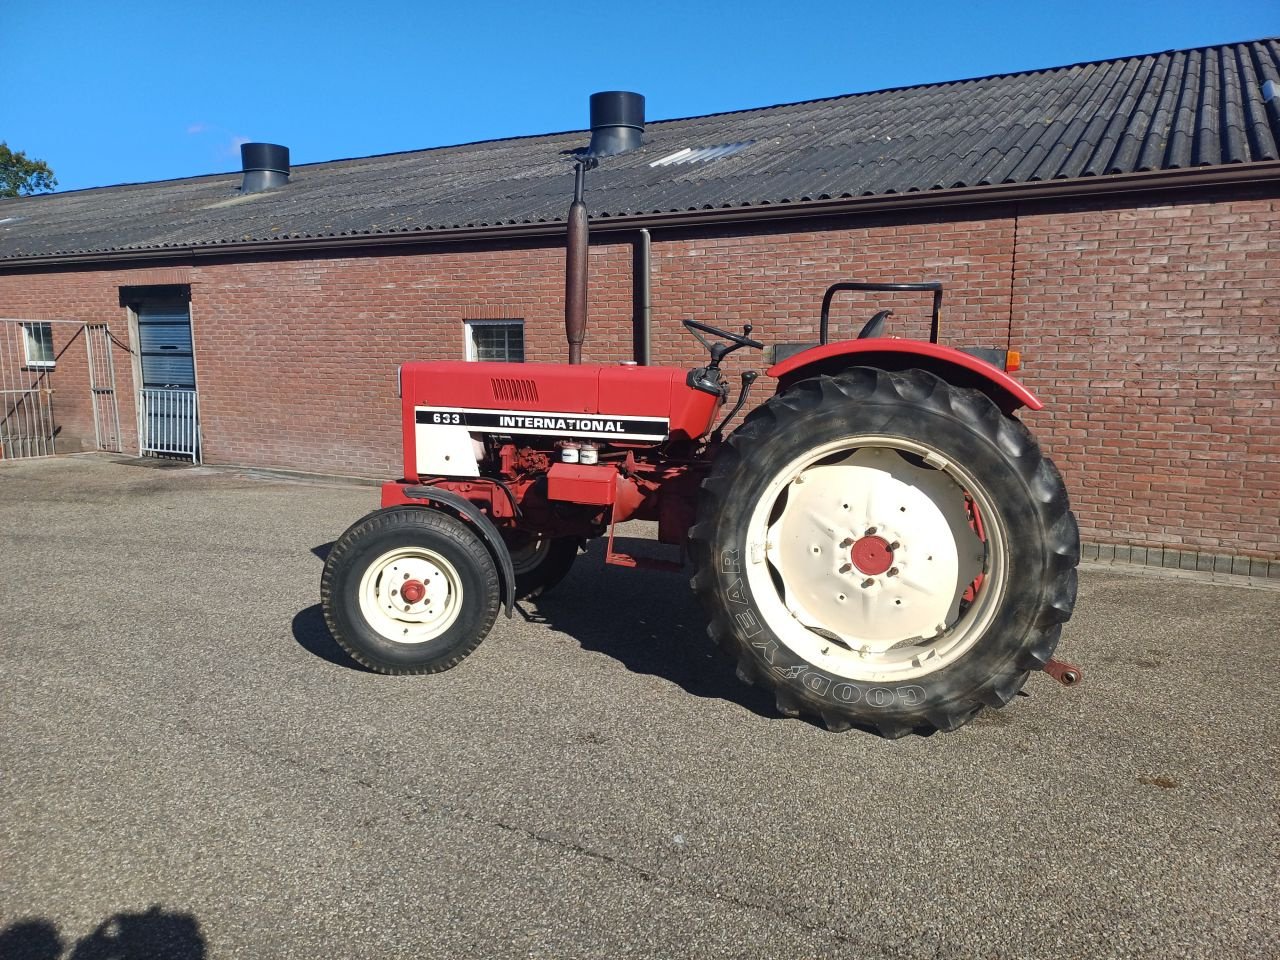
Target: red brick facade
pixel 1149 329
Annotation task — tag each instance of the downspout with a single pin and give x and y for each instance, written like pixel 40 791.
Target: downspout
pixel 641 265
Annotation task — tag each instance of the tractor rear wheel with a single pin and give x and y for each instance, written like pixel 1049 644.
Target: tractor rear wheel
pixel 540 562
pixel 409 590
pixel 885 549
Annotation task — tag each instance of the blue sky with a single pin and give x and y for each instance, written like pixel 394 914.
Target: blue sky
pixel 134 90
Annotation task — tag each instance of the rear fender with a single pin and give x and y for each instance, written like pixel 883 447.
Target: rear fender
pixel 954 366
pixel 416 494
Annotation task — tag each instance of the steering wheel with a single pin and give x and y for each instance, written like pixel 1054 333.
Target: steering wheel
pixel 742 340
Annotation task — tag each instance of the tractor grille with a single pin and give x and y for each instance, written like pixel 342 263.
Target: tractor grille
pixel 510 390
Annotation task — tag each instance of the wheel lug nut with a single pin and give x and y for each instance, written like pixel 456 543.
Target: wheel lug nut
pixel 846 542
pixel 846 568
pixel 406 576
pixel 868 582
pixel 893 571
pixel 895 545
pixel 871 531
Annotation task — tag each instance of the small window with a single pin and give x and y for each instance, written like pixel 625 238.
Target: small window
pixel 495 340
pixel 37 342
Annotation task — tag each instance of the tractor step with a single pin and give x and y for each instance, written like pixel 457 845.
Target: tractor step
pixel 642 563
pixel 620 559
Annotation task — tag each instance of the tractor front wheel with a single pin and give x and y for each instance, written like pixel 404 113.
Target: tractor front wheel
pixel 409 590
pixel 885 550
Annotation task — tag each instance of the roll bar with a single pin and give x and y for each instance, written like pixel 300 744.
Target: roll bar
pixel 835 288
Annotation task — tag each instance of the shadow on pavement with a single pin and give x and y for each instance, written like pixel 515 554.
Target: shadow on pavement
pixel 648 621
pixel 154 935
pixel 313 636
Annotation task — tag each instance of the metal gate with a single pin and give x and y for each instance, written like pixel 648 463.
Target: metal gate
pixel 102 386
pixel 169 421
pixel 39 357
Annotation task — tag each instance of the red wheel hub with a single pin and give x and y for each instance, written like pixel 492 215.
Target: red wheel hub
pixel 413 591
pixel 872 556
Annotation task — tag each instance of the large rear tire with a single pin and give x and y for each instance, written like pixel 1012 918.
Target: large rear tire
pixel 885 550
pixel 409 590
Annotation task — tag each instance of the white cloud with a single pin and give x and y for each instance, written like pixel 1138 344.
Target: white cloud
pixel 233 148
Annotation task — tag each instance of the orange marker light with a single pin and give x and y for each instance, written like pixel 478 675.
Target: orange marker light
pixel 1013 360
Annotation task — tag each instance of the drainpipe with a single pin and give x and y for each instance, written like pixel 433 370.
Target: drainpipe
pixel 641 268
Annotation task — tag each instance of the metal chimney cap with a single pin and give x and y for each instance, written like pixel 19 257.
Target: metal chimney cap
pixel 264 156
pixel 617 122
pixel 265 166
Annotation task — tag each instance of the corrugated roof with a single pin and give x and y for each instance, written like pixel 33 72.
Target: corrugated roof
pixel 1167 111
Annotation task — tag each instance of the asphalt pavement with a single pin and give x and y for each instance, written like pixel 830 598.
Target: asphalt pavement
pixel 190 767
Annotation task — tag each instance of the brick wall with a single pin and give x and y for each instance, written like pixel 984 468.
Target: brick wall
pixel 304 353
pixel 1155 340
pixel 1148 329
pixel 86 297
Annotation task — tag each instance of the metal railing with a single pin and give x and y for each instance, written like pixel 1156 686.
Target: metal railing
pixel 169 422
pixel 27 427
pixel 26 423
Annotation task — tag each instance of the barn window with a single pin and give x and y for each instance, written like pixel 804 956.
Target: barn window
pixel 495 340
pixel 37 341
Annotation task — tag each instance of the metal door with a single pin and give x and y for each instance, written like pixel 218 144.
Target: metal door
pixel 169 419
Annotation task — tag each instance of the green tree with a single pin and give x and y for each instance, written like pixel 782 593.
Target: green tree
pixel 20 176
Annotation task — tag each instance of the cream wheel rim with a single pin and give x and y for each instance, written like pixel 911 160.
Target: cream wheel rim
pixel 410 595
pixel 861 553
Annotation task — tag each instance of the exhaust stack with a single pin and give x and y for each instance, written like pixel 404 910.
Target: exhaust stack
pixel 265 165
pixel 617 126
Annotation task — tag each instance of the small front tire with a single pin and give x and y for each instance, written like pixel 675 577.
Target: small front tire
pixel 409 590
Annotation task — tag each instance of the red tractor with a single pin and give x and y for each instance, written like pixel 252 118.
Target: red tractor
pixel 881 541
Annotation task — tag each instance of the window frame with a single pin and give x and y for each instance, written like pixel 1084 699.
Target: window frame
pixel 469 342
pixel 30 337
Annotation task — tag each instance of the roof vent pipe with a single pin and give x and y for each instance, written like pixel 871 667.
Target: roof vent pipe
pixel 617 122
pixel 265 165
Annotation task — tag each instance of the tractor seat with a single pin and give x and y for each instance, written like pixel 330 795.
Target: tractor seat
pixel 785 351
pixel 873 328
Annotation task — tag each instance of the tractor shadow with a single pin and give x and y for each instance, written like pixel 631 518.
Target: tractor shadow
pixel 312 634
pixel 649 621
